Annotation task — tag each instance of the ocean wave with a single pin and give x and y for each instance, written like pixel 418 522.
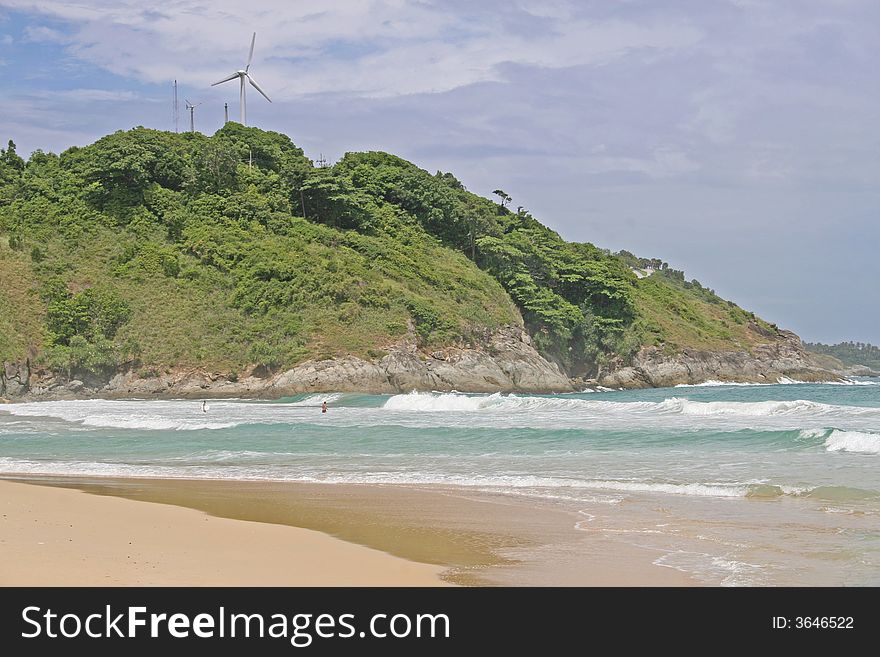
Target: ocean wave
pixel 534 485
pixel 455 401
pixel 449 401
pixel 169 415
pixel 311 401
pixel 840 440
pixel 860 442
pixel 712 383
pixel 781 381
pixel 812 434
pixel 247 466
pixel 756 409
pixel 153 423
pixel 699 490
pixel 452 401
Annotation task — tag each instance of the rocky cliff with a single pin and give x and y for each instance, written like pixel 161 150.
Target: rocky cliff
pixel 15 379
pixel 507 363
pixel 785 356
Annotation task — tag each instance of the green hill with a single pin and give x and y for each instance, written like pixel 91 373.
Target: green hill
pixel 150 250
pixel 852 354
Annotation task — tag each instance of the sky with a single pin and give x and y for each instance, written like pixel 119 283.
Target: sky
pixel 735 139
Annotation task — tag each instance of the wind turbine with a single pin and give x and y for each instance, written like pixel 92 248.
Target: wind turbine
pixel 243 74
pixel 192 109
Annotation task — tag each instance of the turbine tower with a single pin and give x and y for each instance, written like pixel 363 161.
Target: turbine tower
pixel 192 109
pixel 242 75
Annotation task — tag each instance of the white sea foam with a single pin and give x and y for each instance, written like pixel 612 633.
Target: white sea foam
pixel 781 381
pixel 811 434
pixel 584 525
pixel 794 490
pixel 315 400
pixel 454 401
pixel 170 415
pixel 523 484
pixel 449 410
pixel 853 441
pixel 759 409
pixel 124 415
pixel 700 490
pixel 450 401
pixel 713 568
pixel 717 384
pixel 440 402
pixel 152 424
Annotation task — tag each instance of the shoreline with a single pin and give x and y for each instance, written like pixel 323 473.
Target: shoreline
pixel 435 535
pixel 55 536
pixel 226 390
pixel 512 365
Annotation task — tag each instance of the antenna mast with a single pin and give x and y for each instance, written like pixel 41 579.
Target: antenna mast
pixel 175 109
pixel 225 113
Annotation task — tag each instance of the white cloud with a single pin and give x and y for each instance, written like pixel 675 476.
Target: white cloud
pixel 629 123
pixel 92 95
pixel 659 164
pixel 43 34
pixel 376 48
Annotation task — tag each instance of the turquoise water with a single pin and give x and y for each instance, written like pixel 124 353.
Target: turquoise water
pixel 781 481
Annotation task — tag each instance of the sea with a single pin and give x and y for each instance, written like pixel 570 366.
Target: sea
pixel 740 485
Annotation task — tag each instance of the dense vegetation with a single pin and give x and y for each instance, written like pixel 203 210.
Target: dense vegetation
pixel 849 353
pixel 156 250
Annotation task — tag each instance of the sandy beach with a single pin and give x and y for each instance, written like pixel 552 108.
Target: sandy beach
pixel 116 531
pixel 57 536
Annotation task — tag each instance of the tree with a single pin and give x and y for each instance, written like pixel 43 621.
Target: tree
pixel 332 199
pixel 11 168
pixel 10 158
pixel 504 196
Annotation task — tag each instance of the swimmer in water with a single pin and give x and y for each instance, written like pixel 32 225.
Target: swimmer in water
pixel 204 406
pixel 324 407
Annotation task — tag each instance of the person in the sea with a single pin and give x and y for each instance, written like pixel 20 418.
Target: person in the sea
pixel 324 407
pixel 204 406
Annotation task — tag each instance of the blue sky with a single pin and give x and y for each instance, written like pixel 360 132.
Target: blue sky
pixel 736 139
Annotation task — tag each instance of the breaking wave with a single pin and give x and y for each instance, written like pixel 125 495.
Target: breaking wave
pixel 452 401
pixel 853 441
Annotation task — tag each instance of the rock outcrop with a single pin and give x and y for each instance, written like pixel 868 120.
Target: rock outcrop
pixel 507 362
pixel 15 378
pixel 784 357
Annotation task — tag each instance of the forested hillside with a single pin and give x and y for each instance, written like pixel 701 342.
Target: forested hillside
pixel 849 353
pixel 150 250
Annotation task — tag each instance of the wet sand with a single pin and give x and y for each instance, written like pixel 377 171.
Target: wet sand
pixel 444 534
pixel 62 537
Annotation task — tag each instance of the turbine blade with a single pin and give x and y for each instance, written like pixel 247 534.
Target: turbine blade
pixel 251 54
pixel 231 77
pixel 257 87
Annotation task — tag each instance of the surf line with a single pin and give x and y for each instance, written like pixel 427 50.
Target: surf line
pixel 323 406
